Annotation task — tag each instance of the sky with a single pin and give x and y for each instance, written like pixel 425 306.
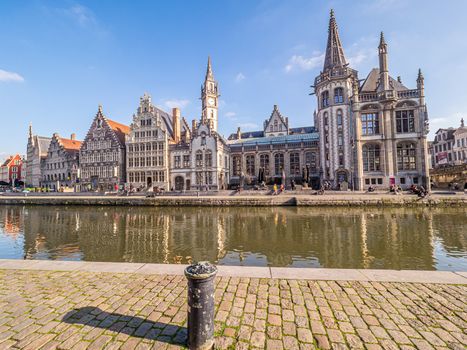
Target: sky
pixel 60 59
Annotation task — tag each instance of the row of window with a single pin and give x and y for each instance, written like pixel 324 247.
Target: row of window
pixel 150 133
pixel 149 161
pixel 142 176
pixel 105 171
pixel 406 157
pixel 264 164
pixel 95 157
pixel 338 97
pixel 204 178
pixel 339 118
pixel 58 165
pixel 98 144
pixel 178 161
pixel 57 177
pixel 146 146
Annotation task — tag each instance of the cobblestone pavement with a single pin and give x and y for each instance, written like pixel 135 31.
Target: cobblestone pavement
pixel 85 310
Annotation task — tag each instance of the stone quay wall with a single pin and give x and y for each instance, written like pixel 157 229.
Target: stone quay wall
pixel 360 200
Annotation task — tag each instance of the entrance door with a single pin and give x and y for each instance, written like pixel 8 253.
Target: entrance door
pixel 149 181
pixel 341 176
pixel 179 183
pixel 188 184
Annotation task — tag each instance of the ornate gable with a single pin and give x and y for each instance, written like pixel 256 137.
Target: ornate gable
pixel 276 125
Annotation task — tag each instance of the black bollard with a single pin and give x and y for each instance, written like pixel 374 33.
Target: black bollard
pixel 201 305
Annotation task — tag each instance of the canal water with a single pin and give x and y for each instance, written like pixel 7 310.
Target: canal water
pixel 422 239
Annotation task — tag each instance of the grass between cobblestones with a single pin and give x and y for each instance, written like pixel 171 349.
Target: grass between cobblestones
pixel 84 310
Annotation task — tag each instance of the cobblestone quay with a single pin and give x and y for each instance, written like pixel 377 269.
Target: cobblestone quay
pixel 107 310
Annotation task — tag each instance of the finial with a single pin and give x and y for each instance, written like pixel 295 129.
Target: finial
pixel 462 122
pixel 30 130
pixel 99 109
pixel 332 13
pixel 399 80
pixel 420 74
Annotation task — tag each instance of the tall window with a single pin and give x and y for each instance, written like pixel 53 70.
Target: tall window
pixel 176 161
pixel 406 156
pixel 278 163
pixel 186 161
pixel 339 117
pixel 264 163
pixel 294 163
pixel 250 164
pixel 338 95
pixel 324 99
pixel 199 159
pixel 208 156
pixel 405 121
pixel 310 159
pixel 237 165
pixel 325 117
pixel 371 157
pixel 370 123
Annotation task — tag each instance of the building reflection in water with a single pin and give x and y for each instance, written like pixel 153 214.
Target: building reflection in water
pixel 303 237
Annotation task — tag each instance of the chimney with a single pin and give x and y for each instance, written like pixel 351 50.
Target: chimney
pixel 239 134
pixel 176 124
pixel 73 136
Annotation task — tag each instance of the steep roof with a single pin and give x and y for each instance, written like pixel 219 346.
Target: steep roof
pixel 70 145
pixel 334 51
pixel 120 129
pixel 43 143
pixel 372 80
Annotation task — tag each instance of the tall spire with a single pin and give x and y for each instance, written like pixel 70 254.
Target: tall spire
pixel 383 64
pixel 209 75
pixel 334 51
pixel 30 130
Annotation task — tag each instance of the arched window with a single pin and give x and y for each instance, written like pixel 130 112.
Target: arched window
pixel 294 163
pixel 406 156
pixel 405 121
pixel 338 95
pixel 371 157
pixel 310 159
pixel 275 125
pixel 325 117
pixel 278 163
pixel 264 163
pixel 339 117
pixel 250 164
pixel 236 165
pixel 324 99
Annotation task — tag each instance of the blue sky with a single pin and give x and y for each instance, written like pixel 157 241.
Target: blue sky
pixel 59 60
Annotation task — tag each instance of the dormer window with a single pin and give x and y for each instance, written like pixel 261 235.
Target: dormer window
pixel 339 95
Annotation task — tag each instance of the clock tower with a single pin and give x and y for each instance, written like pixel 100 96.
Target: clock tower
pixel 209 99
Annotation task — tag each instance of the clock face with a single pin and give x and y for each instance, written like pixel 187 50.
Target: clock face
pixel 211 102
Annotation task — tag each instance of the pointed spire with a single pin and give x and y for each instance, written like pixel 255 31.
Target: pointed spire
pixel 382 42
pixel 420 75
pixel 30 130
pixel 462 122
pixel 334 51
pixel 209 75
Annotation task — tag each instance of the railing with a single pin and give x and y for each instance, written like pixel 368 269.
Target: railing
pixel 335 73
pixel 368 96
pixel 408 94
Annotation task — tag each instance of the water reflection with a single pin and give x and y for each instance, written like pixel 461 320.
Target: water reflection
pixel 344 238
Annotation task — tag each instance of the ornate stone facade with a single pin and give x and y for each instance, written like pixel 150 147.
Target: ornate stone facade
pixel 60 167
pixel 372 133
pixel 36 153
pixel 275 153
pixel 102 155
pixel 147 147
pixel 201 160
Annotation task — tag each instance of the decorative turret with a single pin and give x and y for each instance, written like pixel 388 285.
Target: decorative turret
pixel 462 122
pixel 334 52
pixel 30 130
pixel 383 64
pixel 421 86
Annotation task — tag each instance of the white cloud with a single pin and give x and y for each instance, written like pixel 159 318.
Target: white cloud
pixel 231 115
pixel 83 15
pixel 298 62
pixel 240 76
pixel 10 76
pixel 179 103
pixel 248 126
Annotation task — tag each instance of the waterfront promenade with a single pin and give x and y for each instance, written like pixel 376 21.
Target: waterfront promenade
pixel 250 198
pixel 82 305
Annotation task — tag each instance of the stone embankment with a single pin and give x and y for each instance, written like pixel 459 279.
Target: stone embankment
pixel 335 199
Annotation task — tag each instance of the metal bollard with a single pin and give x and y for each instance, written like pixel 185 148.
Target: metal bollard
pixel 200 278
